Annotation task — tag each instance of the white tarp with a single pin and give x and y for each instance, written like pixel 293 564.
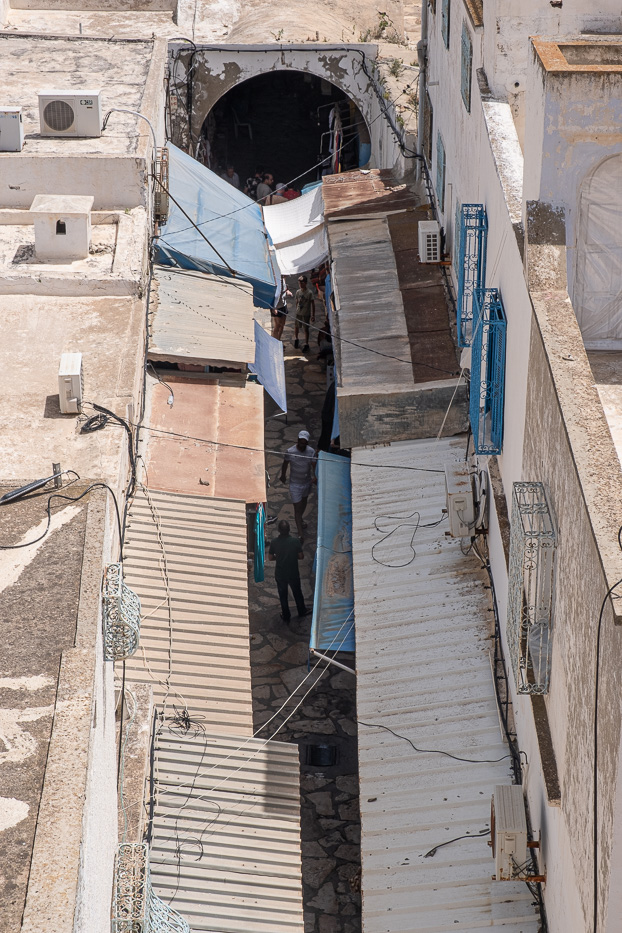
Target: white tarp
pixel 297 231
pixel 597 294
pixel 269 366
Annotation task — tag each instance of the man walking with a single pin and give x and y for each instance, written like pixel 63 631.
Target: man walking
pixel 287 551
pixel 305 311
pixel 301 459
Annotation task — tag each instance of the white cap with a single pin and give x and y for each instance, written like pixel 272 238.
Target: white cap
pixel 305 435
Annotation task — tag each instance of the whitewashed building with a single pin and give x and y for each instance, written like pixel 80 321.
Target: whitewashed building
pixel 521 108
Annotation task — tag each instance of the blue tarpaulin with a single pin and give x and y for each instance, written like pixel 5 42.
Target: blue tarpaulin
pixel 230 220
pixel 332 628
pixel 269 366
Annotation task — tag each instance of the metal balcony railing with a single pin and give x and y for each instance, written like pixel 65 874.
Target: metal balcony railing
pixel 533 542
pixel 473 238
pixel 487 392
pixel 135 907
pixel 121 612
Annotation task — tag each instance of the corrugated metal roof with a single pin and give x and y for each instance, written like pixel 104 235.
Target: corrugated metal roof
pixel 201 650
pixel 226 833
pixel 423 641
pixel 201 318
pixel 370 311
pixel 363 193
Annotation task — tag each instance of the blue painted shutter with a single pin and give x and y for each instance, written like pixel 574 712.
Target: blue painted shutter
pixel 440 172
pixel 466 65
pixel 445 13
pixel 488 371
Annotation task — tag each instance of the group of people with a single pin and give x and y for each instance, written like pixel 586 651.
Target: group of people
pixel 305 309
pixel 260 186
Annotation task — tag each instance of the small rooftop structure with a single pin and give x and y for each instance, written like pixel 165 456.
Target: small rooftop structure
pixel 62 226
pixel 395 356
pixel 211 441
pixel 423 627
pixel 203 319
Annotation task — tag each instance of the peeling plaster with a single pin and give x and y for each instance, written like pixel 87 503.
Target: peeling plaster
pixel 12 812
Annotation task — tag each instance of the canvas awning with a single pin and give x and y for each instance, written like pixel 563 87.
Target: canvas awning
pixel 202 319
pixel 269 366
pixel 298 233
pixel 332 628
pixel 231 222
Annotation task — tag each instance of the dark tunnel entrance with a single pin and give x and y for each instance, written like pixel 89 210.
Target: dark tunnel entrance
pixel 285 122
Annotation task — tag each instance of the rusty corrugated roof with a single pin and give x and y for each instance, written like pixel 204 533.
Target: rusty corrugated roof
pixel 475 10
pixel 363 192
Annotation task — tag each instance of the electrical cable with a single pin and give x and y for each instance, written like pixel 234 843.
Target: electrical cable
pixel 280 453
pixel 434 751
pixel 95 423
pixel 58 495
pixel 432 852
pixel 403 523
pixel 608 594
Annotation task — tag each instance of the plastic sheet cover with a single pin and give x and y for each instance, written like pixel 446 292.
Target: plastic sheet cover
pixel 230 220
pixel 298 233
pixel 332 628
pixel 597 296
pixel 269 366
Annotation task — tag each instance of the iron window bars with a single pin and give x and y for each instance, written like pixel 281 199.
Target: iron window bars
pixel 135 907
pixel 121 612
pixel 533 542
pixel 471 265
pixel 487 390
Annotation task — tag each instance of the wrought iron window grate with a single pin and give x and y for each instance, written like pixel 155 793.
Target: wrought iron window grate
pixel 488 371
pixel 531 585
pixel 466 66
pixel 471 265
pixel 135 907
pixel 121 611
pixel 440 172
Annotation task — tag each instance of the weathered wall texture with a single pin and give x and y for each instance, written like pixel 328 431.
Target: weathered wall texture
pixel 218 70
pixel 551 439
pixel 380 418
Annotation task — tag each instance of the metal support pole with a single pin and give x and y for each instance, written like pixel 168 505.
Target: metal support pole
pixel 325 657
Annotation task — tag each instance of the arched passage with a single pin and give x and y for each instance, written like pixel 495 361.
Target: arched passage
pixel 292 124
pixel 597 294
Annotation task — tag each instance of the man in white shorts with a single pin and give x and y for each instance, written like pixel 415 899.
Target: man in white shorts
pixel 301 460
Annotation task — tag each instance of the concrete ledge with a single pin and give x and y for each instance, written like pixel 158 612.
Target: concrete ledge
pixel 403 414
pixel 589 439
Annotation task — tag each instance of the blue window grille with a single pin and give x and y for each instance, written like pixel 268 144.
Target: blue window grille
pixel 488 371
pixel 440 172
pixel 466 67
pixel 471 265
pixel 445 13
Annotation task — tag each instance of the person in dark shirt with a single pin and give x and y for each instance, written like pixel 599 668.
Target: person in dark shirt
pixel 287 551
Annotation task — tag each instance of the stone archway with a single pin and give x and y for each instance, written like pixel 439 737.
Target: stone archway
pixel 215 70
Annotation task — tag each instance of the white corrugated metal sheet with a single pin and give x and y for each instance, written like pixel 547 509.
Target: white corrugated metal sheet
pixel 422 642
pixel 195 648
pixel 370 310
pixel 201 318
pixel 226 833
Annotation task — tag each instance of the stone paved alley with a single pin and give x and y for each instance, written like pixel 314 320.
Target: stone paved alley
pixel 279 656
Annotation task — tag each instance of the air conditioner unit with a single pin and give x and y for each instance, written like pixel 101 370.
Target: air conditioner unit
pixel 460 504
pixel 429 241
pixel 70 113
pixel 11 129
pixel 508 830
pixel 70 383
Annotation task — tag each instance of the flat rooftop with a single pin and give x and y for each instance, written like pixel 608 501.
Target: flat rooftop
pixel 588 54
pixel 34 434
pixel 119 67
